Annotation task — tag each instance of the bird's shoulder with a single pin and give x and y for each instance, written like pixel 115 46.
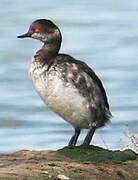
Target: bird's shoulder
pixel 79 72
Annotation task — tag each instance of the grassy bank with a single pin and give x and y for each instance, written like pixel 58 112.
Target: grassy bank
pixel 93 163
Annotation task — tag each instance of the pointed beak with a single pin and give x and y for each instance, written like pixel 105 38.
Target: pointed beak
pixel 24 35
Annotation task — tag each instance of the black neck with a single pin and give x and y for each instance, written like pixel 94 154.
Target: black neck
pixel 47 52
pixel 50 48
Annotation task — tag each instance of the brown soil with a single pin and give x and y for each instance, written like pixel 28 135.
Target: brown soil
pixel 74 164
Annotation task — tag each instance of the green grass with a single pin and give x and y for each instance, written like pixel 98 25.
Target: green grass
pixel 97 154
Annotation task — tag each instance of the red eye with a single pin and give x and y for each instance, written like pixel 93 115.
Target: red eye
pixel 37 30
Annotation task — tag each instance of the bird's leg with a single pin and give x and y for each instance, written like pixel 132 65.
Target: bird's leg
pixel 88 137
pixel 74 138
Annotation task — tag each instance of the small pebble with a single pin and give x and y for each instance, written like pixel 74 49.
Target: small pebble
pixel 62 177
pixel 46 172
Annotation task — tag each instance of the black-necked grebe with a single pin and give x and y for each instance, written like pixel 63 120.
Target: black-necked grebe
pixel 68 86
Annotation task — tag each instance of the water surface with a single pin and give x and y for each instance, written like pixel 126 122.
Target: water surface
pixel 104 34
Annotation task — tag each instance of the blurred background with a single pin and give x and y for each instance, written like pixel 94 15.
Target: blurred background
pixel 104 34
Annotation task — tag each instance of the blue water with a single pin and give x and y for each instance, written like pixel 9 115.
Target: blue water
pixel 104 34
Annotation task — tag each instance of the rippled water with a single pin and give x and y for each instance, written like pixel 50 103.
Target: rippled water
pixel 102 33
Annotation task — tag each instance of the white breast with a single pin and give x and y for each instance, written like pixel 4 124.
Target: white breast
pixel 61 96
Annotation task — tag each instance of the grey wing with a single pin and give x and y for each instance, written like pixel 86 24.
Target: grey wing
pixel 83 78
pixel 91 88
pixel 96 81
